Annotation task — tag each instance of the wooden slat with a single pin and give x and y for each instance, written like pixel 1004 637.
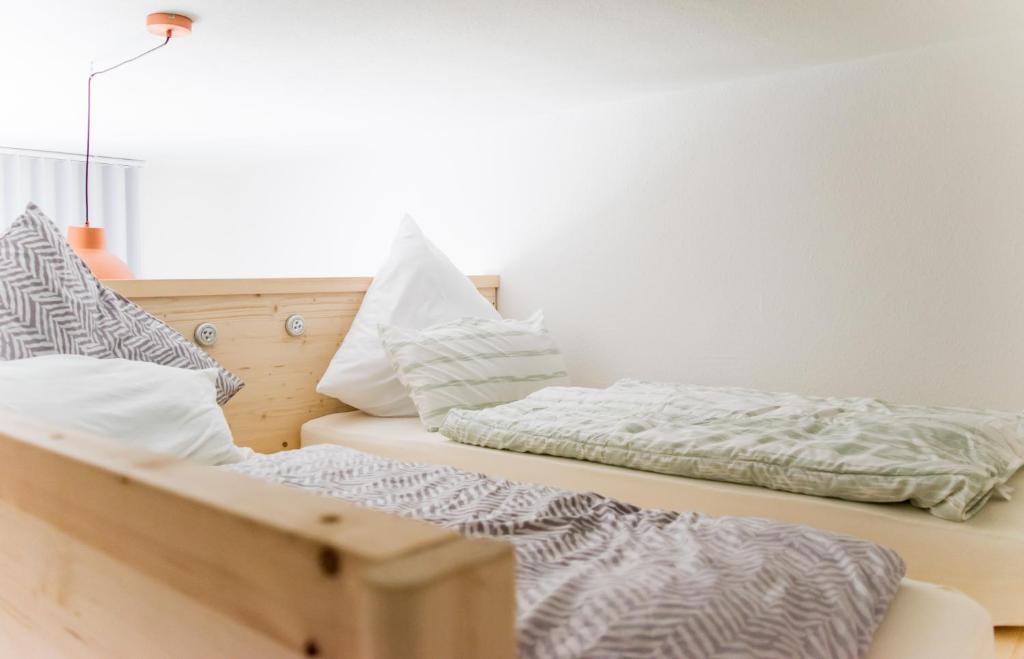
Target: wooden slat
pixel 1010 642
pixel 280 371
pixel 98 537
pixel 132 288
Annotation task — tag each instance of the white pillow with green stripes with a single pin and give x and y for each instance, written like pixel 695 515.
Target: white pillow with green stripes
pixel 472 363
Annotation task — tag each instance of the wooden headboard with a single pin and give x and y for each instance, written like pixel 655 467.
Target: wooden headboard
pixel 280 371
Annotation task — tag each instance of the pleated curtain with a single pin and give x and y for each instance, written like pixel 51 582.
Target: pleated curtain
pixel 57 185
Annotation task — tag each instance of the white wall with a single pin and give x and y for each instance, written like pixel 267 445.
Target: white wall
pixel 850 229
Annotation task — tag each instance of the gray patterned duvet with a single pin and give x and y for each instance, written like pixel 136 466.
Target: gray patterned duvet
pixel 599 578
pixel 948 460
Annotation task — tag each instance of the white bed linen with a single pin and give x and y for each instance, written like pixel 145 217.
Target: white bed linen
pixel 164 409
pixel 980 557
pixel 417 287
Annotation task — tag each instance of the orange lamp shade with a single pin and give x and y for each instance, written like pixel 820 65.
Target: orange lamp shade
pixel 90 243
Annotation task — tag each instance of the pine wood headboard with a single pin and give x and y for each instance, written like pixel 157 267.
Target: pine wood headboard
pixel 280 371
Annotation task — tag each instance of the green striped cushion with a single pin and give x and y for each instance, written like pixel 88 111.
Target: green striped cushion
pixel 473 363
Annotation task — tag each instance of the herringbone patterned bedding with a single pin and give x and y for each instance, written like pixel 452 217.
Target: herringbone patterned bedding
pixel 600 578
pixel 50 303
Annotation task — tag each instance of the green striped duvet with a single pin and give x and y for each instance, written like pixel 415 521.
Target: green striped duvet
pixel 950 461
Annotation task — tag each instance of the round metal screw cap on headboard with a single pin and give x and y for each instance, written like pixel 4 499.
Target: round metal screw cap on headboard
pixel 205 334
pixel 295 325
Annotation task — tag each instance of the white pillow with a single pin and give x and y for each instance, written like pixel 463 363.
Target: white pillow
pixel 471 363
pixel 417 287
pixel 161 408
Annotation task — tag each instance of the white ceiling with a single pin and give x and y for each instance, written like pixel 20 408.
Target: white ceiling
pixel 306 75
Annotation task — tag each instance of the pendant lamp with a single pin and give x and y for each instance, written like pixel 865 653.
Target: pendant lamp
pixel 90 242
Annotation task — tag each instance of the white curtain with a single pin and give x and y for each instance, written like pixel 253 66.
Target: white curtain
pixel 56 183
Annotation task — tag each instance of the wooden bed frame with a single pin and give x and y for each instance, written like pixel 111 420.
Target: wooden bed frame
pixel 280 371
pixel 109 551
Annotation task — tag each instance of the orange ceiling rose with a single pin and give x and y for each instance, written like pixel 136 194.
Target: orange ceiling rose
pixel 169 25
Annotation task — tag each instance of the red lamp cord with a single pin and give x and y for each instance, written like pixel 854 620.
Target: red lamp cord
pixel 88 115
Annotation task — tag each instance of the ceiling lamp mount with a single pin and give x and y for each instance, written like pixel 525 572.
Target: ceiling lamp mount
pixel 164 24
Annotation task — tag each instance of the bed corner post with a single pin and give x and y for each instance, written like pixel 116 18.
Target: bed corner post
pixel 453 600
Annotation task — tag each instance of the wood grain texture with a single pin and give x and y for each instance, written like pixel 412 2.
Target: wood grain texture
pixel 60 597
pixel 1010 642
pixel 109 551
pixel 280 371
pixel 131 288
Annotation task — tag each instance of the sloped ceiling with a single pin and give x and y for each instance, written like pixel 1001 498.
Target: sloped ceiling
pixel 310 75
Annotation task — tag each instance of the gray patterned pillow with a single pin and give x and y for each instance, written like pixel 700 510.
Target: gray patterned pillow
pixel 51 303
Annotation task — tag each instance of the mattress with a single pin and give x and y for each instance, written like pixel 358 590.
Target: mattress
pixel 980 557
pixel 926 621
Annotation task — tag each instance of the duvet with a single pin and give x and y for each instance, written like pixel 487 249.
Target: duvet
pixel 599 578
pixel 948 460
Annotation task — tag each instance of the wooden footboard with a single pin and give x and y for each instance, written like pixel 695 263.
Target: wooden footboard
pixel 108 551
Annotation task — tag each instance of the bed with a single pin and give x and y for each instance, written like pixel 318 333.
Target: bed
pixel 233 566
pixel 980 557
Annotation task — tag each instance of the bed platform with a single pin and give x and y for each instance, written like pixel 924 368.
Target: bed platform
pixel 114 552
pixel 981 557
pixel 121 553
